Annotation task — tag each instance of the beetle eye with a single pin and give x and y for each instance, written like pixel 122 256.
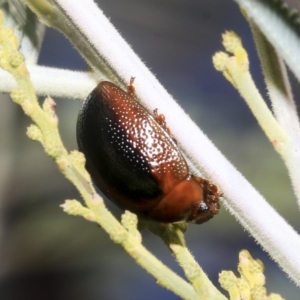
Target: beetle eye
pixel 202 207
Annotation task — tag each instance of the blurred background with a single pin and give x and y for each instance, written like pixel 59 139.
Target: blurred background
pixel 46 254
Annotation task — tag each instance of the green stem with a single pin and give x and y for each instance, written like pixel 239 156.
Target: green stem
pixel 173 236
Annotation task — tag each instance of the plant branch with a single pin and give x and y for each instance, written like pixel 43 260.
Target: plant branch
pixel 279 25
pixel 54 82
pixel 45 130
pixel 235 69
pixel 173 236
pixel 284 107
pixel 240 198
pixel 250 284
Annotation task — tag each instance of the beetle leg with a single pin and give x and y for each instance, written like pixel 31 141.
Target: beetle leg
pixel 130 87
pixel 161 120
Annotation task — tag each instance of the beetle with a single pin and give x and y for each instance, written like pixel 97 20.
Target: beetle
pixel 136 163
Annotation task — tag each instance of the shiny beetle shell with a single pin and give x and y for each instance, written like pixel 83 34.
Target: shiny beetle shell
pixel 135 162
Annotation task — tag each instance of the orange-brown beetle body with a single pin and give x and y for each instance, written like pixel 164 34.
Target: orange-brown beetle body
pixel 135 162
